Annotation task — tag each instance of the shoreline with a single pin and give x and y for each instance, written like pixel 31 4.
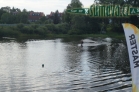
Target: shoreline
pixel 34 36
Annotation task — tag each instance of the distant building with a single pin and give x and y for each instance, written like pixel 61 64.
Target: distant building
pixel 50 16
pixel 35 16
pixel 15 13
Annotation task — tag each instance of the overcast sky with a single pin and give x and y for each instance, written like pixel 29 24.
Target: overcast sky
pixel 45 6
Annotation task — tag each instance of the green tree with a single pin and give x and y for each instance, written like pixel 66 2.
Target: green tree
pixel 1 12
pixel 109 1
pixel 43 19
pixel 78 22
pixel 24 16
pixel 68 17
pixel 11 18
pixel 5 18
pixel 75 4
pixel 56 17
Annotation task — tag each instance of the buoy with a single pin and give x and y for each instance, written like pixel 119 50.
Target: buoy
pixel 42 65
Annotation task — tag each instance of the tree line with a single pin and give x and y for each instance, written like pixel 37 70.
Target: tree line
pixel 11 18
pixel 72 24
pixel 16 16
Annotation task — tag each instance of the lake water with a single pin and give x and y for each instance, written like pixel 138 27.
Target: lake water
pixel 68 67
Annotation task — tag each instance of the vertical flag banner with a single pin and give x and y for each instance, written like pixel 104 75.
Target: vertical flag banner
pixel 132 39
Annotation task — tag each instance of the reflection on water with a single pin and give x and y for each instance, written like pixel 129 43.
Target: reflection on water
pixel 67 66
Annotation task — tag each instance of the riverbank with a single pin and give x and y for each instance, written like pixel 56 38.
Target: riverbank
pixel 51 31
pixel 36 36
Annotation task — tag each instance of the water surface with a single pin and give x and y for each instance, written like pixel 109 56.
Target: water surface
pixel 68 67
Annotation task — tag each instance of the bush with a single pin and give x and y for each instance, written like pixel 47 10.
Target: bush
pixel 7 31
pixel 62 28
pixel 109 28
pixel 26 30
pixel 50 27
pixel 20 26
pixel 40 31
pixel 74 31
pixel 34 26
pixel 13 28
pixel 118 29
pixel 114 28
pixel 58 28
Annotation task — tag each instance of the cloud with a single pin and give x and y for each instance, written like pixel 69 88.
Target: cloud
pixel 87 3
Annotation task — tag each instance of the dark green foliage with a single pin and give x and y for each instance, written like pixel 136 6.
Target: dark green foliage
pixel 58 28
pixel 32 29
pixel 20 25
pixel 62 28
pixel 51 28
pixel 15 16
pixel 75 4
pixel 134 20
pixel 6 18
pixel 80 24
pixel 42 20
pixel 114 28
pixel 23 17
pixel 27 30
pixel 8 31
pixel 41 31
pixel 75 32
pixel 34 26
pixel 56 17
pixel 1 13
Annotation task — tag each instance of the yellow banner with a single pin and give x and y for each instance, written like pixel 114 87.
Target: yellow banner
pixel 132 39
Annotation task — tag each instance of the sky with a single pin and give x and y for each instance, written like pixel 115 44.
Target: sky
pixel 45 6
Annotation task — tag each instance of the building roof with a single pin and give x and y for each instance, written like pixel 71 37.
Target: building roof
pixel 35 16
